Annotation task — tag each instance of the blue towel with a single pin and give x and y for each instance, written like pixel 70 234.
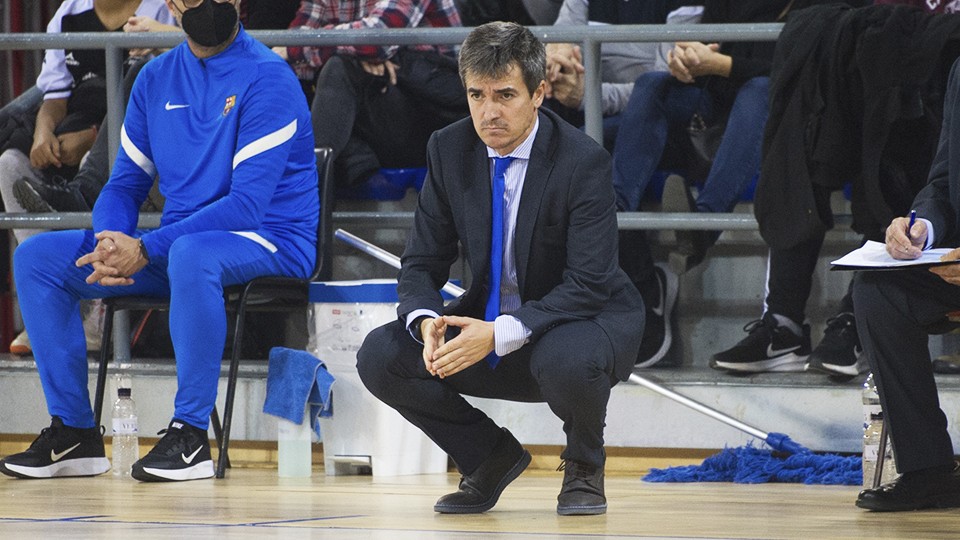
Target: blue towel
pixel 295 379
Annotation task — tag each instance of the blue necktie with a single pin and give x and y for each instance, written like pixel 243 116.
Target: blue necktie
pixel 496 246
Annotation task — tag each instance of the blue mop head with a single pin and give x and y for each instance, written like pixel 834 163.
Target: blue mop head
pixel 749 465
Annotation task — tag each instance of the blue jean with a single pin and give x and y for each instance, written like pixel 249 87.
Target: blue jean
pixel 200 265
pixel 659 103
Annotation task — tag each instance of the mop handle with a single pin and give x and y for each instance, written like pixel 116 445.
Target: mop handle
pixel 384 256
pixel 697 406
pixel 452 289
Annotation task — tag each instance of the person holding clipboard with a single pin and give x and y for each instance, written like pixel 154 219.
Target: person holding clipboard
pixel 896 311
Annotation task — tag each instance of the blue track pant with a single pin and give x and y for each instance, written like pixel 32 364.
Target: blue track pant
pixel 199 266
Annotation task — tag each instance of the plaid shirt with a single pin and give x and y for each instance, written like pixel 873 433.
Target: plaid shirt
pixel 344 14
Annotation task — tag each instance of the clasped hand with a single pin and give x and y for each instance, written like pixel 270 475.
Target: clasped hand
pixel 444 358
pixel 691 59
pixel 115 258
pixel 565 74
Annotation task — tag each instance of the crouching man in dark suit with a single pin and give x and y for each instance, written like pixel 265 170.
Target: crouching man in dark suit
pixel 549 316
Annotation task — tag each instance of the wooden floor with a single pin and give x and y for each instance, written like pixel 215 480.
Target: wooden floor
pixel 255 503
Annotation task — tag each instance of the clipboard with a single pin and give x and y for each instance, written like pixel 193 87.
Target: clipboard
pixel 874 256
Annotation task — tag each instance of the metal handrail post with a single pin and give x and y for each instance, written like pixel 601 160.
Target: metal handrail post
pixel 592 103
pixel 114 58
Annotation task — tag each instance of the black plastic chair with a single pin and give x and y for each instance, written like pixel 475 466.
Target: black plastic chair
pixel 268 293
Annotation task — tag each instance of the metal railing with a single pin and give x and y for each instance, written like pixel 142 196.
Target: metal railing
pixel 589 37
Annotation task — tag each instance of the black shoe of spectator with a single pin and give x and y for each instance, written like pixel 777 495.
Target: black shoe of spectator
pixel 768 346
pixel 659 296
pixel 936 487
pixel 40 197
pixel 839 353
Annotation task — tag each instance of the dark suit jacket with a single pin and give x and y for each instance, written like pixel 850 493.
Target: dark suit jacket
pixel 565 238
pixel 939 200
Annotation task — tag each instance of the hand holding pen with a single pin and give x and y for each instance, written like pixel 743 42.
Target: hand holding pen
pixel 906 237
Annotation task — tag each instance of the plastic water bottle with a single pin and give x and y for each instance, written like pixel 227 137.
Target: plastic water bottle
pixel 294 449
pixel 126 448
pixel 872 428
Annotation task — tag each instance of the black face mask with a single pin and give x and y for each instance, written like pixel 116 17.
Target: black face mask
pixel 211 23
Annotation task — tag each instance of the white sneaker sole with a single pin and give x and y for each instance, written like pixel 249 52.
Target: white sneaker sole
pixel 786 363
pixel 201 470
pixel 858 367
pixel 65 468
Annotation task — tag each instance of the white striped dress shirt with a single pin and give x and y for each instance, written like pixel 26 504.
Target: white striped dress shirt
pixel 509 333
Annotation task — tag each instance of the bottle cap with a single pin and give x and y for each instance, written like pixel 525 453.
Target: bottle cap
pixel 123 392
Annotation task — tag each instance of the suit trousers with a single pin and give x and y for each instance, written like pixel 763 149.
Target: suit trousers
pixel 570 368
pixel 896 311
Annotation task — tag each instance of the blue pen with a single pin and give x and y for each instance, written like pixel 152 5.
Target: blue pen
pixel 913 219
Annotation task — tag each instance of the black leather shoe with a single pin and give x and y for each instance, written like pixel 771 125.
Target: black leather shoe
pixel 40 197
pixel 480 490
pixel 936 487
pixel 582 491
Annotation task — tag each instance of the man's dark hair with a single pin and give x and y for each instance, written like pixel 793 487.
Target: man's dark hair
pixel 493 48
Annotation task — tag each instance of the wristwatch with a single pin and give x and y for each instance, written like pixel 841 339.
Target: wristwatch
pixel 143 250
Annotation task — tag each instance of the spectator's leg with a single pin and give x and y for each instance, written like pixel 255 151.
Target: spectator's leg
pixel 14 165
pixel 396 127
pixel 738 157
pixel 790 271
pixel 340 88
pixel 95 170
pixel 657 102
pixel 790 278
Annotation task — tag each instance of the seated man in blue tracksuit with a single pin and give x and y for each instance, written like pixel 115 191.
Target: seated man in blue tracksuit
pixel 222 121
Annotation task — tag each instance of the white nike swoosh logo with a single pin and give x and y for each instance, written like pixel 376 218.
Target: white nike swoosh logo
pixel 56 456
pixel 658 311
pixel 187 460
pixel 171 107
pixel 771 352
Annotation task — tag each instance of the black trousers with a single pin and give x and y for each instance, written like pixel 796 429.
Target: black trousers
pixel 570 368
pixel 895 313
pixel 790 271
pixel 371 124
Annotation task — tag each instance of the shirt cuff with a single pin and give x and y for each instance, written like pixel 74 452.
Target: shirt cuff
pixel 930 233
pixel 413 316
pixel 509 334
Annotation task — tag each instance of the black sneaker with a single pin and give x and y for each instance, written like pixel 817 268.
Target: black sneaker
pixel 182 454
pixel 768 347
pixel 38 196
pixel 657 335
pixel 839 353
pixel 60 451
